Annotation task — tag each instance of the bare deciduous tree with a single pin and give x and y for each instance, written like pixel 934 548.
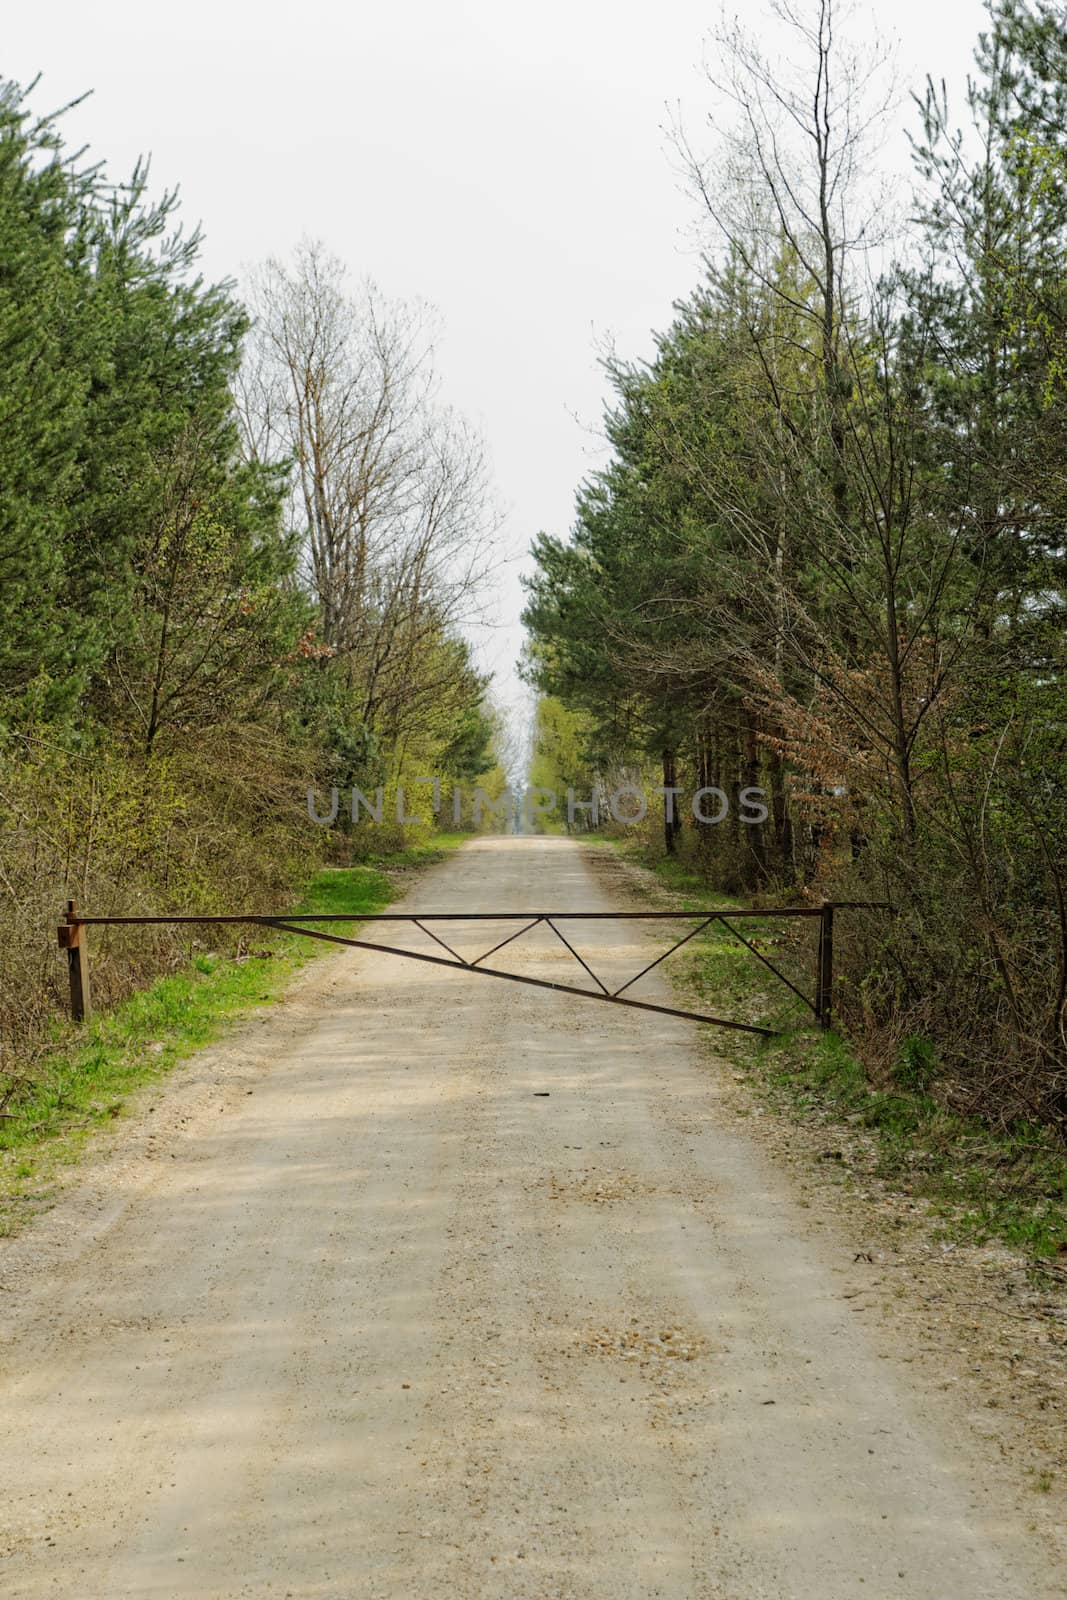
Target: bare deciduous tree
pixel 791 175
pixel 390 497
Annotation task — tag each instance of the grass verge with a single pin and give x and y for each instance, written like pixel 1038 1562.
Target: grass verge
pixel 979 1182
pixel 85 1082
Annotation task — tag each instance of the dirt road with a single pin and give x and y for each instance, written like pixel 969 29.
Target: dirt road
pixel 434 1286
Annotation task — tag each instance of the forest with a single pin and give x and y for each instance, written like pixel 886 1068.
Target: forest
pixel 533 820
pixel 826 555
pixel 240 541
pixel 243 538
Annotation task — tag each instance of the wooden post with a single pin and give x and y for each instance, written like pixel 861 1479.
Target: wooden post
pixel 824 991
pixel 72 939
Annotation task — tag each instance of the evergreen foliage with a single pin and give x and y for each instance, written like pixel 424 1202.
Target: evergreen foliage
pixel 829 555
pixel 169 690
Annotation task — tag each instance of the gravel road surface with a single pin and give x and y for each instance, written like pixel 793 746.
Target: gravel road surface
pixel 427 1285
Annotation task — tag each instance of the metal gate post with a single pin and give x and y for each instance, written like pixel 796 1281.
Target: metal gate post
pixel 72 939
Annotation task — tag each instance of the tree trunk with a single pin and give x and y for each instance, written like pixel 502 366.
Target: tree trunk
pixel 671 820
pixel 755 857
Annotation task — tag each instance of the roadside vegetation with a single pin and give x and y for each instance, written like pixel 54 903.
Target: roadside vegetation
pixel 1007 1183
pixel 240 539
pixel 827 557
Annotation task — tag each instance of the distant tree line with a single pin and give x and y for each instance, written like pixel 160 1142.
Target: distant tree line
pixel 828 554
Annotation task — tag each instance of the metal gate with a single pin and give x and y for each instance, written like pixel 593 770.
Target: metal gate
pixel 72 938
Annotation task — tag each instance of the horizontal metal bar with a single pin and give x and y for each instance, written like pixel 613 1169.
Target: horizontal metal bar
pixel 534 983
pixel 447 916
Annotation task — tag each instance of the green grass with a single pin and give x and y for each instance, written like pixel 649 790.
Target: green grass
pixel 418 855
pixel 981 1183
pixel 87 1080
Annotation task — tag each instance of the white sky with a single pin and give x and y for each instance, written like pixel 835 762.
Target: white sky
pixel 508 165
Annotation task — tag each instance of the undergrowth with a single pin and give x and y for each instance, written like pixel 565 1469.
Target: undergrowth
pixel 983 1183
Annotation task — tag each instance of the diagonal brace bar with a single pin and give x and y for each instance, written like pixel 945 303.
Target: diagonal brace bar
pixel 441 942
pixel 517 977
pixel 510 938
pixel 664 956
pixel 760 957
pixel 577 957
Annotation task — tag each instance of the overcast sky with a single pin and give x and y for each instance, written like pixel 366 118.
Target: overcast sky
pixel 508 164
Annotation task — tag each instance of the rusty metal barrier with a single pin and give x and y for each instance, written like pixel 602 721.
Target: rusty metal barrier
pixel 72 938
